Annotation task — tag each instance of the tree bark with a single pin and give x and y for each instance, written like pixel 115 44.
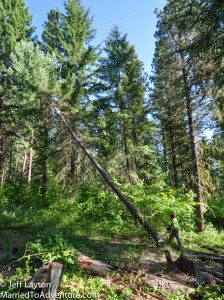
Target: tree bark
pixel 164 151
pixel 188 265
pixel 207 254
pixel 30 159
pixel 95 267
pixel 10 162
pixel 153 233
pixel 173 150
pixel 72 170
pixel 44 166
pixel 210 258
pixel 47 280
pixel 24 162
pixel 213 272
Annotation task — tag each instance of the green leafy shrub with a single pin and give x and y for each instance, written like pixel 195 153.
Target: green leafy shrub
pixel 52 245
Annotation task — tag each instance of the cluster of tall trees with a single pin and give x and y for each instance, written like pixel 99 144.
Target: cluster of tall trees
pixel 105 96
pixel 188 92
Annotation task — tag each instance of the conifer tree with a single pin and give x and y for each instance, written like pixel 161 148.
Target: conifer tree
pixel 124 129
pixel 15 25
pixel 68 35
pixel 193 84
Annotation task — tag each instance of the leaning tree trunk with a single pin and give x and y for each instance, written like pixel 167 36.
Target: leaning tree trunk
pixel 153 233
pixel 196 171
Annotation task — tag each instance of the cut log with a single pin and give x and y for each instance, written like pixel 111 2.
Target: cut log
pixel 204 278
pixel 211 258
pixel 215 250
pixel 94 267
pixel 164 284
pixel 218 280
pixel 212 271
pixel 188 265
pixel 207 253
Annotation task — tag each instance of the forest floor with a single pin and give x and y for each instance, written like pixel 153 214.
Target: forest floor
pixel 142 270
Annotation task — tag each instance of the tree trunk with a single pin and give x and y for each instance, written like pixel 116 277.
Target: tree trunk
pixel 196 172
pixel 44 166
pixel 164 151
pixel 72 170
pixel 10 163
pixel 153 233
pixel 2 176
pixel 173 150
pixel 24 162
pixel 30 159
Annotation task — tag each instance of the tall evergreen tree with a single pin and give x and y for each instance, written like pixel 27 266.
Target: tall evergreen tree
pixel 35 84
pixel 194 85
pixel 124 129
pixel 15 25
pixel 69 35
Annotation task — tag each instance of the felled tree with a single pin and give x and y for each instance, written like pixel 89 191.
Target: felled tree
pixel 37 84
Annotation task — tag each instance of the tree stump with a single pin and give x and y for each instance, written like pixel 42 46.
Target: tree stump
pixel 188 265
pixel 47 280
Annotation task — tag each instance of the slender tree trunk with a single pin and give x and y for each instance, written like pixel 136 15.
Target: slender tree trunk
pixel 24 162
pixel 173 155
pixel 2 176
pixel 174 163
pixel 30 159
pixel 196 172
pixel 10 162
pixel 164 151
pixel 44 167
pixel 153 233
pixel 172 145
pixel 72 166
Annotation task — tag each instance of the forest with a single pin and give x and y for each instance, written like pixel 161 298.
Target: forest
pixel 96 154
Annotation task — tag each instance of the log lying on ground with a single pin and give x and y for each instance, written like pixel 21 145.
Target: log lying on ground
pixel 211 258
pixel 207 254
pixel 164 284
pixel 215 250
pixel 188 265
pixel 218 280
pixel 152 232
pixel 212 271
pixel 204 278
pixel 94 267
